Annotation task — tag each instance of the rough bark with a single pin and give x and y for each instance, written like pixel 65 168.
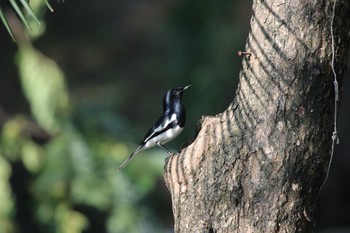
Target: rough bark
pixel 259 165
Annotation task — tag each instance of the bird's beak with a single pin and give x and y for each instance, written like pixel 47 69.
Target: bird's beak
pixel 186 87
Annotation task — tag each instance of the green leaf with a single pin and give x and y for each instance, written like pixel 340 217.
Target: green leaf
pixel 19 12
pixel 30 11
pixel 48 5
pixel 4 21
pixel 44 87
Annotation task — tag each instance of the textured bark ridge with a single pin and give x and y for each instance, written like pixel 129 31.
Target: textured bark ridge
pixel 258 166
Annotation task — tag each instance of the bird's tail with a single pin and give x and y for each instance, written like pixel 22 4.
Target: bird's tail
pixel 130 157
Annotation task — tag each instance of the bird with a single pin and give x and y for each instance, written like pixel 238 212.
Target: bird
pixel 168 126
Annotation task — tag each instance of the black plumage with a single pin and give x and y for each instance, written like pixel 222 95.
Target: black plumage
pixel 169 125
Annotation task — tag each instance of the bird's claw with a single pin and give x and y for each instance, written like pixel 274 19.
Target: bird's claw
pixel 168 157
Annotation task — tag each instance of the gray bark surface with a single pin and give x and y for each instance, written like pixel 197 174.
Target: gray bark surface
pixel 259 165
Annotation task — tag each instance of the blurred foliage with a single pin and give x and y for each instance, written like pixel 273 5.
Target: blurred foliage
pixel 44 87
pixel 84 89
pixel 7 203
pixel 70 171
pixel 26 11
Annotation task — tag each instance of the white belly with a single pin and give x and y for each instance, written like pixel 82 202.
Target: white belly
pixel 164 137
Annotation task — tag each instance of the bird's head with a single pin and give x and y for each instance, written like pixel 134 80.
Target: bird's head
pixel 174 94
pixel 178 91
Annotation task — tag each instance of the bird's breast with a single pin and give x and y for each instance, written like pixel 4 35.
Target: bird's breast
pixel 172 133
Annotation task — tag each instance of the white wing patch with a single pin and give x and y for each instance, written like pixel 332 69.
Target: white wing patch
pixel 162 126
pixel 164 137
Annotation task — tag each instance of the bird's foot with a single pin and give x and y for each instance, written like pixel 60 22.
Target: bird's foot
pixel 167 158
pixel 170 155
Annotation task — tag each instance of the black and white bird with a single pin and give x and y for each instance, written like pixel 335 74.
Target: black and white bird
pixel 169 125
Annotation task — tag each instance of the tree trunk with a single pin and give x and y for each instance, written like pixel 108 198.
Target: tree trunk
pixel 259 165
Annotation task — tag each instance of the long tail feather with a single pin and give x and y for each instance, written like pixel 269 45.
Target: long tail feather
pixel 130 157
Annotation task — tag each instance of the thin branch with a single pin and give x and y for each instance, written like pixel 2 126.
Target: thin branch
pixel 335 138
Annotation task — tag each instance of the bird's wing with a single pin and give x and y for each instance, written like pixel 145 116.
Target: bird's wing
pixel 164 123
